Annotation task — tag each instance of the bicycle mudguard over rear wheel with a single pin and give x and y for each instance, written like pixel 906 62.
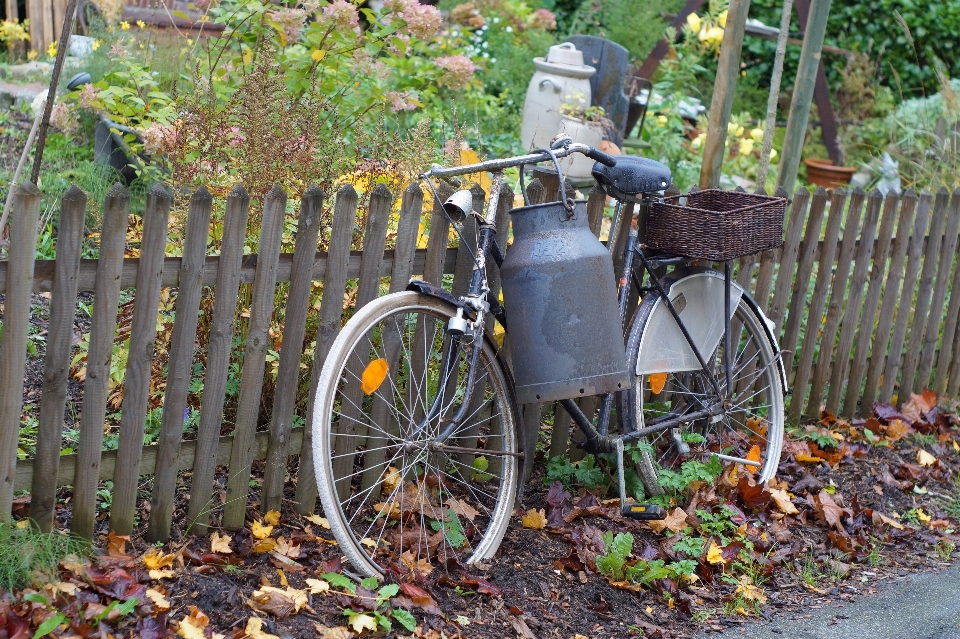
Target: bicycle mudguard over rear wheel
pixel 665 379
pixel 392 495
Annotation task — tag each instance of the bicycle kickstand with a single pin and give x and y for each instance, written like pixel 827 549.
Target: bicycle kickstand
pixel 642 512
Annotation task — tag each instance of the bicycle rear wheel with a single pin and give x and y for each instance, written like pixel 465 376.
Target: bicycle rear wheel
pixel 752 426
pixel 393 493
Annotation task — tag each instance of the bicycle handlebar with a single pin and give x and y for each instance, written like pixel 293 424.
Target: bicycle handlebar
pixel 531 158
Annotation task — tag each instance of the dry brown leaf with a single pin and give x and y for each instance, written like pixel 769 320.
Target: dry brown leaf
pixel 676 521
pixel 192 626
pixel 272 518
pixel 317 586
pixel 117 545
pixel 391 477
pixel 260 531
pixel 254 629
pixel 535 519
pixel 462 508
pixel 287 549
pixel 333 632
pixel 156 575
pixel 320 521
pixel 896 429
pixel 66 587
pixel 158 599
pixel 416 565
pixel 881 518
pixel 155 559
pixel 925 459
pixel 782 501
pixel 220 543
pixel 278 602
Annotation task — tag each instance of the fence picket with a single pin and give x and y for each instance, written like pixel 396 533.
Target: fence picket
pixel 328 327
pixel 838 293
pixel 136 382
pixel 848 325
pixel 934 320
pixel 56 362
pixel 798 300
pixel 254 357
pixel 103 325
pixel 911 359
pixel 894 354
pixel 291 351
pixel 180 368
pixel 438 238
pixel 891 297
pixel 946 360
pixel 220 345
pixel 16 318
pixel 858 365
pixel 788 260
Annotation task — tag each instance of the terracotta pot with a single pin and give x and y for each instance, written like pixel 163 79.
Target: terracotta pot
pixel 824 173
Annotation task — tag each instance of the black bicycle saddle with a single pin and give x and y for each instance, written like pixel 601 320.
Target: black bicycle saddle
pixel 631 176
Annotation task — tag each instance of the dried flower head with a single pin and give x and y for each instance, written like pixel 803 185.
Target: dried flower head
pixel 87 97
pixel 65 117
pixel 343 14
pixel 401 100
pixel 468 15
pixel 159 138
pixel 543 19
pixel 422 20
pixel 290 21
pixel 458 69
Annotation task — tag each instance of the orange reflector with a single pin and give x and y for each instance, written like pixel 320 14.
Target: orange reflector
pixel 373 375
pixel 657 382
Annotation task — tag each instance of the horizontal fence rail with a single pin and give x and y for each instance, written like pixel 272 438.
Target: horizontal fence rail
pixel 864 296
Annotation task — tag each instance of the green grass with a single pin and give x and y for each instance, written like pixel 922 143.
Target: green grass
pixel 30 558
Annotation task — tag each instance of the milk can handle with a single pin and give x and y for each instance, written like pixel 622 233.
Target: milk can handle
pixel 568 203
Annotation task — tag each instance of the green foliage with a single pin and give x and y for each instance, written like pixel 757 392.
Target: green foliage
pixel 452 529
pixel 584 473
pixel 618 550
pixel 31 558
pixel 613 563
pixel 637 26
pixel 675 482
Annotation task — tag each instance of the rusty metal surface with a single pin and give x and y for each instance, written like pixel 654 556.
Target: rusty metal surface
pixel 559 289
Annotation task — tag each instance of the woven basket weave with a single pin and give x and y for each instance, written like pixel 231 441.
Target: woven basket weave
pixel 716 225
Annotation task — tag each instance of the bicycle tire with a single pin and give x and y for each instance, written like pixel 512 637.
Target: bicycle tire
pixel 752 339
pixel 453 493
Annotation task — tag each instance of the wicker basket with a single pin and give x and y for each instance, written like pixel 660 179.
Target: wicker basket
pixel 716 225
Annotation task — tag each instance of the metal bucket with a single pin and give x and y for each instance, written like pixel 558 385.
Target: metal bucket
pixel 564 334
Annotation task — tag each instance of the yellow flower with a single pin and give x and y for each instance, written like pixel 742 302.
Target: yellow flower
pixel 746 147
pixel 693 21
pixel 698 141
pixel 124 25
pixel 722 19
pixel 731 128
pixel 32 55
pixel 52 49
pixel 702 35
pixel 757 135
pixel 190 42
pixel 661 120
pixel 773 153
pixel 739 131
pixel 141 24
pixel 715 35
pixel 96 44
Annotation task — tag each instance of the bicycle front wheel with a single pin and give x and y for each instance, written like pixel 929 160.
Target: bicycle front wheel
pixel 751 425
pixel 393 492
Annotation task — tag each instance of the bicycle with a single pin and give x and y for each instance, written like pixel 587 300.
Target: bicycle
pixel 416 419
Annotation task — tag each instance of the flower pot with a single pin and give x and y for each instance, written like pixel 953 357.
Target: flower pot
pixel 561 77
pixel 577 166
pixel 824 173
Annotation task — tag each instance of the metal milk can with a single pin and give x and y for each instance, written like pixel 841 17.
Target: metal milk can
pixel 564 334
pixel 561 77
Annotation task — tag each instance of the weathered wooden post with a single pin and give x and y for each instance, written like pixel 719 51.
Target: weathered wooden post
pixel 803 93
pixel 728 69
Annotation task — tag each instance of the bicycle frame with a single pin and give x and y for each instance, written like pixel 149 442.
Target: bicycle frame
pixel 475 302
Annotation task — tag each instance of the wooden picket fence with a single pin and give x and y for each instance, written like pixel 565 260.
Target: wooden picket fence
pixel 865 289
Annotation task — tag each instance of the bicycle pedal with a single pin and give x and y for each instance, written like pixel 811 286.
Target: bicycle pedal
pixel 643 512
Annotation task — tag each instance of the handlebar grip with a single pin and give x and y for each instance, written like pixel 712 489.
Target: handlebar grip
pixel 601 157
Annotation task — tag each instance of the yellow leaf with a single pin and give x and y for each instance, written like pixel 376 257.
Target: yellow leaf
pixel 369 543
pixel 657 382
pixel 155 559
pixel 320 521
pixel 191 627
pixel 750 592
pixel 265 545
pixel 260 531
pixel 535 519
pixel 287 549
pixel 158 599
pixel 416 565
pixel 318 54
pixel 220 543
pixel 317 586
pixel 925 459
pixel 391 477
pixel 676 521
pixel 782 500
pixel 272 518
pixel 392 509
pixel 956 446
pixel 373 376
pixel 808 459
pixel 715 554
pixel 890 521
pixel 66 587
pixel 254 629
pixel 161 574
pixel 363 622
pixel 922 516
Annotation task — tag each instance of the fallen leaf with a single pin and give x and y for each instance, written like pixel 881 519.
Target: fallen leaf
pixel 363 622
pixel 535 519
pixel 264 545
pixel 782 501
pixel 391 510
pixel 896 429
pixel 287 549
pixel 829 509
pixel 158 598
pixel 272 518
pixel 117 545
pixel 254 629
pixel 879 518
pixel 925 459
pixel 750 592
pixel 278 602
pixel 808 459
pixel 463 509
pixel 220 543
pixel 414 564
pixel 922 516
pixel 676 521
pixel 192 626
pixel 754 456
pixel 156 575
pixel 715 553
pixel 260 531
pixel 155 559
pixel 317 586
pixel 333 632
pixel 391 477
pixel 319 521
